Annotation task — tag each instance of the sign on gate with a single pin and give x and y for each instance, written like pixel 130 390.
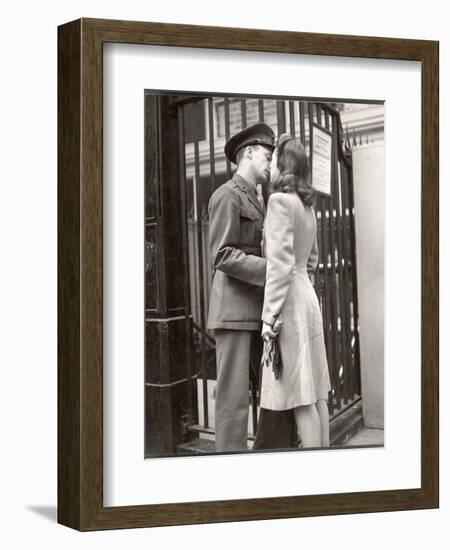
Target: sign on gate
pixel 321 160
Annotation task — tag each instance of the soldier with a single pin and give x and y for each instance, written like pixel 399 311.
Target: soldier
pixel 236 217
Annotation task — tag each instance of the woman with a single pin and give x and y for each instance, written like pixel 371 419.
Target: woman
pixel 291 251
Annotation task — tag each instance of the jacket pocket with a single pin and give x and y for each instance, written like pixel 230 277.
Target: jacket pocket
pixel 251 222
pixel 250 214
pixel 241 301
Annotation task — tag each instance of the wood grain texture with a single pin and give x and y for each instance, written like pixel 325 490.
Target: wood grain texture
pixel 69 245
pixel 430 273
pixel 80 241
pixel 91 277
pixel 193 36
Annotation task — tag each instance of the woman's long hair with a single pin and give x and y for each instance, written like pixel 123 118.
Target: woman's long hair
pixel 293 170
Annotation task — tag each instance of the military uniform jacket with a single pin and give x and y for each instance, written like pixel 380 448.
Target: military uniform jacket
pixel 235 230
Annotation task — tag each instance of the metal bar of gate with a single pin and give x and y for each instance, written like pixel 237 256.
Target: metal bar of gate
pixel 197 107
pixel 342 260
pixel 226 105
pixel 291 118
pixel 261 110
pixel 187 307
pixel 301 113
pixel 281 117
pixel 356 379
pixel 348 265
pixel 212 188
pixel 243 114
pixel 212 164
pixel 318 115
pixel 334 292
pixel 337 303
pixel 351 280
pixel 320 201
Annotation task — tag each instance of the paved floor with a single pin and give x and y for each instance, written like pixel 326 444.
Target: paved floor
pixel 367 436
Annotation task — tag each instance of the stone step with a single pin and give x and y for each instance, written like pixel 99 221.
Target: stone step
pixel 346 424
pixel 197 428
pixel 197 447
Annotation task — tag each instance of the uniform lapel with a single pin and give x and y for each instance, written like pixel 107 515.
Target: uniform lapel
pixel 251 192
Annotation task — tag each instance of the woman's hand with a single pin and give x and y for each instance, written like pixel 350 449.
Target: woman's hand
pixel 277 325
pixel 267 332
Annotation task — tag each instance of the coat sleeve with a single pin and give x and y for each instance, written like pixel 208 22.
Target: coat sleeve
pixel 224 232
pixel 279 235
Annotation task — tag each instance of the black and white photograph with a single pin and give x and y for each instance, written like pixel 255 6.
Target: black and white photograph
pixel 224 275
pixel 264 273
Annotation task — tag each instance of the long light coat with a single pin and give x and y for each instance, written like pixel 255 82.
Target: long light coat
pixel 291 251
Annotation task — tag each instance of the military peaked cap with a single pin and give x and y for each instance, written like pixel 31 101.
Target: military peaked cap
pixel 258 134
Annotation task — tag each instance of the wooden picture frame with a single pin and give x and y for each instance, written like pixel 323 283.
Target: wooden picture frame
pixel 80 271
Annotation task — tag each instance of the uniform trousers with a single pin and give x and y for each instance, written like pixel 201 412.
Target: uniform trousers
pixel 276 429
pixel 233 365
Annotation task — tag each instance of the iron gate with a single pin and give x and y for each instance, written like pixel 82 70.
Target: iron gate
pixel 207 123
